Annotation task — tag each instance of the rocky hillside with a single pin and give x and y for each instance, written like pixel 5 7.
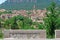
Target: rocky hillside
pixel 26 4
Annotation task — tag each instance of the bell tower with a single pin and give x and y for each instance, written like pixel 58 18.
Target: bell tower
pixel 34 9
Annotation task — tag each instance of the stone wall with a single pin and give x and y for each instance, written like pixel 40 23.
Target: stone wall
pixel 28 34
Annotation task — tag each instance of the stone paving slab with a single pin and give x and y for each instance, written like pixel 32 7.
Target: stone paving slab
pixel 28 39
pixel 22 39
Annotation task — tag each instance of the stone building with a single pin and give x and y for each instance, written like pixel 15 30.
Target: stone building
pixel 35 15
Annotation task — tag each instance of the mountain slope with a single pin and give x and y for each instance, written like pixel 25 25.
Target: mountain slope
pixel 26 4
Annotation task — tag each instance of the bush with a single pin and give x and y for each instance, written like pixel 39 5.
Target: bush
pixel 1 34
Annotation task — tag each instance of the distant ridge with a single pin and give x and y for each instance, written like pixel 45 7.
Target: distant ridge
pixel 26 4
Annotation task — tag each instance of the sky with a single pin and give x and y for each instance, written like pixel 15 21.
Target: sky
pixel 1 1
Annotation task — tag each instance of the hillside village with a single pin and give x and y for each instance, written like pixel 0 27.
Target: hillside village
pixel 28 15
pixel 33 14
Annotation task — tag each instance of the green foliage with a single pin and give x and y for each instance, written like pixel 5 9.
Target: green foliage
pixel 21 22
pixel 0 23
pixel 57 18
pixel 25 22
pixel 1 34
pixel 14 24
pixel 58 22
pixel 21 18
pixel 51 20
pixel 7 24
pixel 6 12
pixel 40 26
pixel 18 22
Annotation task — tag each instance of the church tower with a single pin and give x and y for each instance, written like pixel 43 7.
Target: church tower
pixel 34 9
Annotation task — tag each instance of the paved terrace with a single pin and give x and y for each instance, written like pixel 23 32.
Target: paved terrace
pixel 27 39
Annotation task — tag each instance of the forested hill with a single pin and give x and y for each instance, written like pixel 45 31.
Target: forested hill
pixel 26 4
